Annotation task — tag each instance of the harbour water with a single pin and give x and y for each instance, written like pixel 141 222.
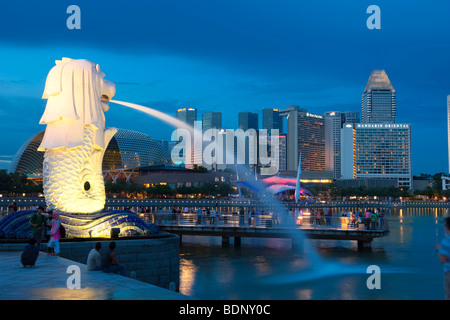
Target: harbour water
pixel 268 269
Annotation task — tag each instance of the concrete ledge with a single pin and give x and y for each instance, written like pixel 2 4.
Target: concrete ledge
pixel 154 260
pixel 48 281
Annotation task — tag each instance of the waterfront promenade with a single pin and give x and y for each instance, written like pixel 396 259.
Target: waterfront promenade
pixel 48 281
pixel 231 204
pixel 181 217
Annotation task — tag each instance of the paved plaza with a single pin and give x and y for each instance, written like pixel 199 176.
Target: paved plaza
pixel 48 281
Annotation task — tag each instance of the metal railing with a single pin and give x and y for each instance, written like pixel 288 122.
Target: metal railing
pixel 226 219
pixel 258 220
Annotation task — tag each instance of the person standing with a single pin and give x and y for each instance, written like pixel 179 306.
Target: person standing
pixel 37 222
pixel 54 234
pixel 199 216
pixel 213 216
pixel 241 216
pixel 443 250
pixel 329 216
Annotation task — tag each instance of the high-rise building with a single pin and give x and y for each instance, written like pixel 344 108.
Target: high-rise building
pixel 377 151
pixel 272 120
pixel 305 136
pixel 212 120
pixel 187 115
pixel 282 152
pixel 248 120
pixel 378 99
pixel 333 124
pixel 448 129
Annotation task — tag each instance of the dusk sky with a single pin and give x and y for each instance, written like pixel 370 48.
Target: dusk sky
pixel 232 56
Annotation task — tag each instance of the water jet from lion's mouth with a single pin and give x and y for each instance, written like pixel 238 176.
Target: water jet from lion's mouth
pixel 172 121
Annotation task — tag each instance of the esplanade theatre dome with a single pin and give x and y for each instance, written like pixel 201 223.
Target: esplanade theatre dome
pixel 127 149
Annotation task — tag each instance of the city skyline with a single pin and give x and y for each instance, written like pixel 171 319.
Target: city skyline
pixel 243 59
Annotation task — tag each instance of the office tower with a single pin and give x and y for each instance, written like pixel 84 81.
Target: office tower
pixel 272 120
pixel 350 117
pixel 333 124
pixel 282 152
pixel 212 120
pixel 291 114
pixel 305 135
pixel 448 130
pixel 248 120
pixel 382 150
pixel 187 115
pixel 378 99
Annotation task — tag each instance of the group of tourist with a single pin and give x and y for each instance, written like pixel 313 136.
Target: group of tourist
pixel 372 219
pixel 42 227
pixel 48 228
pixel 321 216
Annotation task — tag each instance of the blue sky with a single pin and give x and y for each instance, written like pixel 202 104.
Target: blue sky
pixel 232 56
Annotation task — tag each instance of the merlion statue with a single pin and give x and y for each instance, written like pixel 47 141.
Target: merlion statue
pixel 75 138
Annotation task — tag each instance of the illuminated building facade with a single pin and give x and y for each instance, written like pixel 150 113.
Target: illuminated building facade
pixel 305 136
pixel 377 151
pixel 378 99
pixel 333 125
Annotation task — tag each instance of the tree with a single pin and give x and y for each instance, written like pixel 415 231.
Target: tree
pixel 17 183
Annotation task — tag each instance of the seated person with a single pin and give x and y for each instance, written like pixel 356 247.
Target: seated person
pixel 110 263
pixel 30 253
pixel 94 260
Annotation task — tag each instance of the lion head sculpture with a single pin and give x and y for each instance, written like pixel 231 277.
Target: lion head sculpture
pixel 77 94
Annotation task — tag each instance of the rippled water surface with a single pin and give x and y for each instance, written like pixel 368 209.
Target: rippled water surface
pixel 270 269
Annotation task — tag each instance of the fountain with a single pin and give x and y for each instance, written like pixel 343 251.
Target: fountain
pixel 266 200
pixel 74 143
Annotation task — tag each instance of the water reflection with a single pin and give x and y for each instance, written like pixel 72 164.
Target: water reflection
pixel 269 269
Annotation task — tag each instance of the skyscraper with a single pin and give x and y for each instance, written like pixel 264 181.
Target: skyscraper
pixel 212 120
pixel 272 120
pixel 333 124
pixel 305 136
pixel 282 152
pixel 448 130
pixel 248 120
pixel 187 115
pixel 382 151
pixel 378 99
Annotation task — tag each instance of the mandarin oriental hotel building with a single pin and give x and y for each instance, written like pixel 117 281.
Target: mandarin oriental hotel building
pixel 377 151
